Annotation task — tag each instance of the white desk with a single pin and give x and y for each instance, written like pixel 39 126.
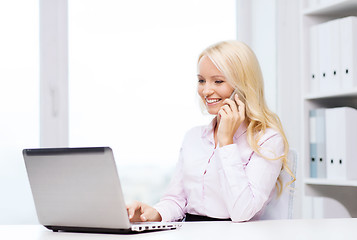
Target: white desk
pixel 334 229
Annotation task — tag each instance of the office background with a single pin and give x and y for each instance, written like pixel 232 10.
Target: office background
pixel 123 74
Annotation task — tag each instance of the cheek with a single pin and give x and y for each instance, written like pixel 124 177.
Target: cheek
pixel 227 92
pixel 200 91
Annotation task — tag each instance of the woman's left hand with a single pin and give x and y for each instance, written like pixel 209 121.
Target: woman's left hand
pixel 231 115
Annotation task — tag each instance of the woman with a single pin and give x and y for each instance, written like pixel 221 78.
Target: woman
pixel 228 170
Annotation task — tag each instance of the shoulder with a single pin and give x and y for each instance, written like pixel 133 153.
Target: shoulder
pixel 272 142
pixel 270 135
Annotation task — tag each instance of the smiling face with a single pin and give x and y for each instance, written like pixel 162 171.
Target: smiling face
pixel 213 87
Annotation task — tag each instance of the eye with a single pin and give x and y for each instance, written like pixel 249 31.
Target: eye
pixel 201 81
pixel 218 81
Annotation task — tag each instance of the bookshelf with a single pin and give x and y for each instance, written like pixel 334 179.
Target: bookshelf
pixel 313 13
pixel 352 93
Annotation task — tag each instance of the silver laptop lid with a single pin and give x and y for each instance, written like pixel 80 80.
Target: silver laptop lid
pixel 76 187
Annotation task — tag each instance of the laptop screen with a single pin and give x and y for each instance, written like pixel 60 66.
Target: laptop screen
pixel 76 187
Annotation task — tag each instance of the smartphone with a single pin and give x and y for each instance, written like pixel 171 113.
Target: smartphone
pixel 239 95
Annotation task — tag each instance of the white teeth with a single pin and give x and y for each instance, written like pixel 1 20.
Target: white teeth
pixel 212 100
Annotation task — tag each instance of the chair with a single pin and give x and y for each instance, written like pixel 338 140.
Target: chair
pixel 282 207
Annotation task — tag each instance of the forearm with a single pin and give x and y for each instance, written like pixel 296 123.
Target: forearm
pixel 246 184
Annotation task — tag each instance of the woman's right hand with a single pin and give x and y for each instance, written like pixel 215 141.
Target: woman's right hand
pixel 141 212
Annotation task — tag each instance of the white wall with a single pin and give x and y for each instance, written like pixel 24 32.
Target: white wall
pixel 264 45
pixel 256 26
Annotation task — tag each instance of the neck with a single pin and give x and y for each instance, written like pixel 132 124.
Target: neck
pixel 218 120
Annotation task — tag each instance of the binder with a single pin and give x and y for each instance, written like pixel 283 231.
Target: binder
pixel 341 139
pixel 314 60
pixel 324 51
pixel 348 47
pixel 334 69
pixel 320 143
pixel 313 144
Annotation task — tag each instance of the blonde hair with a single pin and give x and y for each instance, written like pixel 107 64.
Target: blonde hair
pixel 241 68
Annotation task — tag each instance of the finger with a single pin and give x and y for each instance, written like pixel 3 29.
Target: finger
pixel 222 113
pixel 241 105
pixel 226 109
pixel 232 105
pixel 131 212
pixel 231 108
pixel 238 100
pixel 240 97
pixel 143 218
pixel 145 211
pixel 131 208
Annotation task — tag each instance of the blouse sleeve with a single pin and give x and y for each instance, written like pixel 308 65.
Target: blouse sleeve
pixel 171 206
pixel 247 186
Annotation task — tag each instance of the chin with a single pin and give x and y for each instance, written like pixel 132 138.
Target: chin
pixel 212 112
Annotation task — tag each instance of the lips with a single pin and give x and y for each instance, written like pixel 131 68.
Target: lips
pixel 211 101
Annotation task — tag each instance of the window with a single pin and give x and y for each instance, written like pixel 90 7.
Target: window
pixel 132 79
pixel 19 97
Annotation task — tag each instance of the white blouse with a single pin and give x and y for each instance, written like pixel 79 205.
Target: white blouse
pixel 224 182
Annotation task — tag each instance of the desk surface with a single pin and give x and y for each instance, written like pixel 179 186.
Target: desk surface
pixel 277 229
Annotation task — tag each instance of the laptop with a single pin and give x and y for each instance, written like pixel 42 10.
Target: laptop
pixel 78 190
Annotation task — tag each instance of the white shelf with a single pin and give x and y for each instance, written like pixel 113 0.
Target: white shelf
pixel 345 93
pixel 331 182
pixel 344 192
pixel 338 8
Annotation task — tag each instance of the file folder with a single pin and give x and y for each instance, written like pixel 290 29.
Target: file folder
pixel 313 144
pixel 320 143
pixel 348 52
pixel 341 140
pixel 314 60
pixel 325 57
pixel 334 69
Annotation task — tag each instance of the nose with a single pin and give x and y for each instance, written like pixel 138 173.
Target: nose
pixel 207 90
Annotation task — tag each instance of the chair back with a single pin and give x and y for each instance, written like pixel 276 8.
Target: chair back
pixel 281 207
